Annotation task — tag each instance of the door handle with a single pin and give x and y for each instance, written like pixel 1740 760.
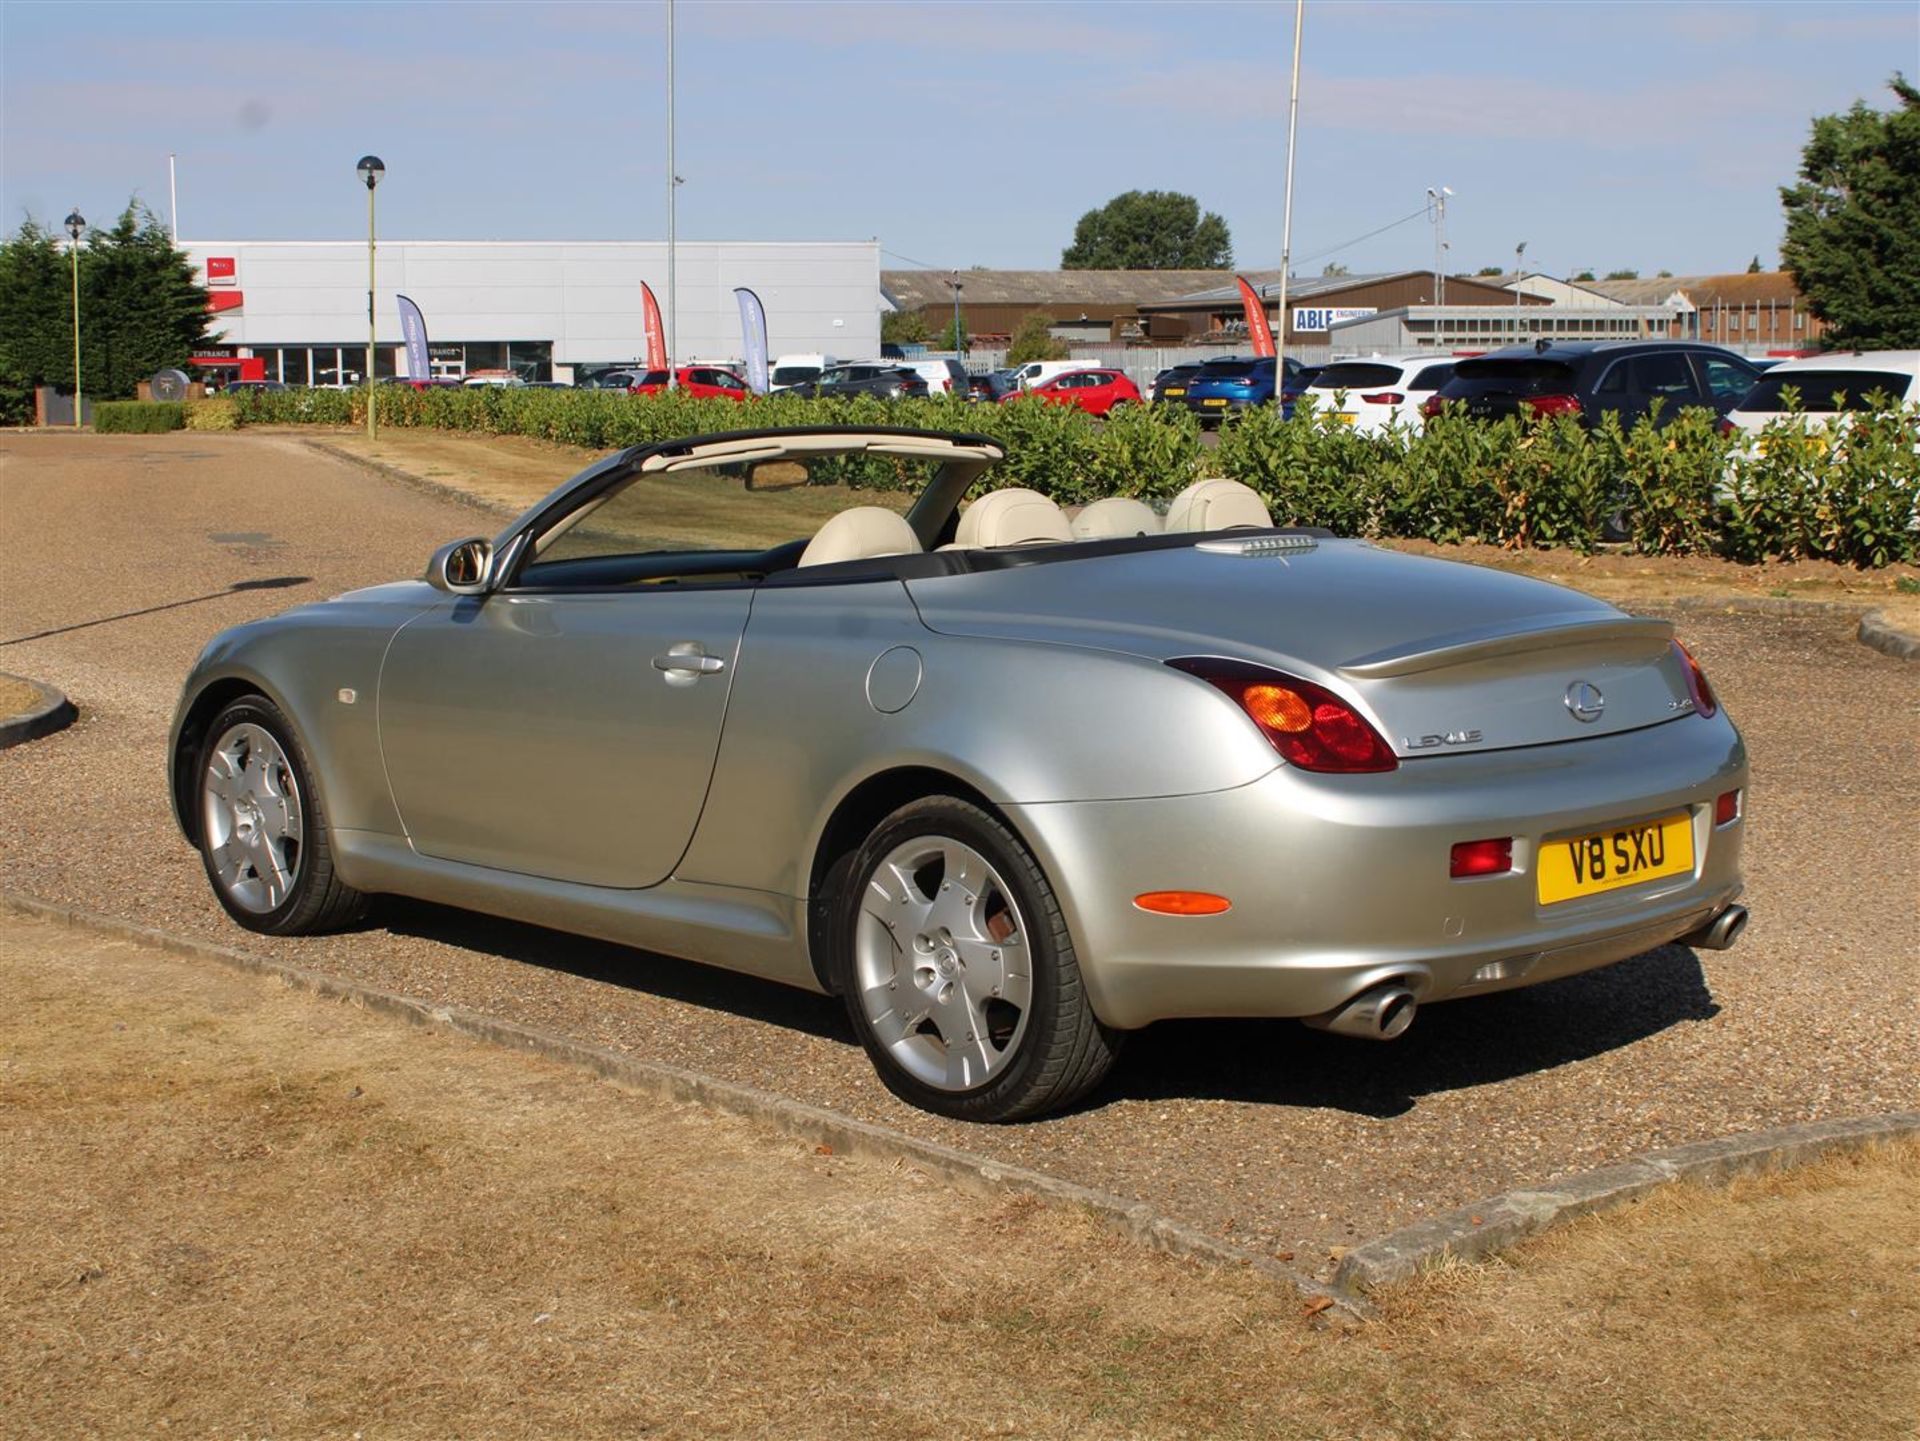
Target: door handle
pixel 688 660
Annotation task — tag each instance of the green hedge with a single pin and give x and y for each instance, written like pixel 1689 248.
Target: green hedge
pixel 1680 489
pixel 138 417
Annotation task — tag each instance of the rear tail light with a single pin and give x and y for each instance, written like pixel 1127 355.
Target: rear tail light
pixel 1726 809
pixel 1704 701
pixel 1384 397
pixel 1482 858
pixel 1310 727
pixel 1433 406
pixel 1727 427
pixel 1552 405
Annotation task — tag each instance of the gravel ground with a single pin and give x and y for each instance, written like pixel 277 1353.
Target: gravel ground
pixel 123 551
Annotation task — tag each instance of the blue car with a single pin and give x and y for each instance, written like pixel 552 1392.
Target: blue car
pixel 1234 382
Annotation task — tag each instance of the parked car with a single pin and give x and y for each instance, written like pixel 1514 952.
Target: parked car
pixel 1094 391
pixel 943 377
pixel 885 379
pixel 1172 383
pixel 1380 391
pixel 1233 383
pixel 243 387
pixel 477 379
pixel 1588 379
pixel 1827 388
pixel 700 381
pixel 991 385
pixel 788 370
pixel 437 382
pixel 1039 372
pixel 1009 794
pixel 1296 384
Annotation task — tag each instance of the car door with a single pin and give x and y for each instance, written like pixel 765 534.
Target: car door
pixel 565 725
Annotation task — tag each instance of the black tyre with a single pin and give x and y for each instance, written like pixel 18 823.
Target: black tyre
pixel 958 972
pixel 263 831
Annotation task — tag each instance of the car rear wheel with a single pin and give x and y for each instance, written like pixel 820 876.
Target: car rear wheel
pixel 958 972
pixel 263 835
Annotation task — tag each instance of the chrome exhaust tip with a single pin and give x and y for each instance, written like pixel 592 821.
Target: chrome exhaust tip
pixel 1381 1014
pixel 1720 933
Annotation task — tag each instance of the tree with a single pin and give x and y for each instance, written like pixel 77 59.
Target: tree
pixel 1333 267
pixel 1853 223
pixel 36 320
pixel 954 337
pixel 1490 270
pixel 1034 340
pixel 903 327
pixel 141 309
pixel 1623 275
pixel 1149 230
pixel 1663 275
pixel 1754 267
pixel 1586 275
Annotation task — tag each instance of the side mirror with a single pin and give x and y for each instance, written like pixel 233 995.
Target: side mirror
pixel 460 567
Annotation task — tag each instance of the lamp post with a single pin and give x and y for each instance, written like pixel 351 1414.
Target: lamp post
pixel 1437 208
pixel 959 340
pixel 76 223
pixel 370 170
pixel 1519 256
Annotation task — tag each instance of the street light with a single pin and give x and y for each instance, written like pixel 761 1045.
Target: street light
pixel 370 170
pixel 76 223
pixel 1437 209
pixel 959 340
pixel 1519 256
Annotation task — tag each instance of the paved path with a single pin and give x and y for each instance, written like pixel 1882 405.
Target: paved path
pixel 1270 1134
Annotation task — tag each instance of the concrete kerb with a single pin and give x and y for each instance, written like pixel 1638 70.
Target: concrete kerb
pixel 51 711
pixel 1474 1232
pixel 844 1134
pixel 407 478
pixel 1884 636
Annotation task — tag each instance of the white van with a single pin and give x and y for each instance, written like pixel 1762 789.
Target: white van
pixel 943 377
pixel 797 369
pixel 1039 372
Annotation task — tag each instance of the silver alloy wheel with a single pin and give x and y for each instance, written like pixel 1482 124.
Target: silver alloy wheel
pixel 251 819
pixel 942 962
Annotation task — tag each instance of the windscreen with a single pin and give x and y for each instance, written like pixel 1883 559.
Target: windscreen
pixel 794 374
pixel 1508 377
pixel 1236 369
pixel 1824 392
pixel 1357 375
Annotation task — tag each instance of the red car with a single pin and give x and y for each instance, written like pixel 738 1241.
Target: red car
pixel 1094 391
pixel 695 380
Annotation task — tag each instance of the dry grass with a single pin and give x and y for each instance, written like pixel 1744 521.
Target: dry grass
pixel 230 1210
pixel 16 697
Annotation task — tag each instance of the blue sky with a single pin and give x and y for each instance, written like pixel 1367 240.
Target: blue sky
pixel 959 133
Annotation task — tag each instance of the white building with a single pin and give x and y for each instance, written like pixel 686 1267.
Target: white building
pixel 543 309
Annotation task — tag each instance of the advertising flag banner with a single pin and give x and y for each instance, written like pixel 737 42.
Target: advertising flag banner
pixel 413 330
pixel 656 332
pixel 1257 326
pixel 753 337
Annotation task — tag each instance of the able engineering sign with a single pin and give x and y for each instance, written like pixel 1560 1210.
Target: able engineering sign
pixel 1323 317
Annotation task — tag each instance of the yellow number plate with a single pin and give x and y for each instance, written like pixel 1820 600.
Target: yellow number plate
pixel 1346 419
pixel 1607 860
pixel 1175 390
pixel 1213 400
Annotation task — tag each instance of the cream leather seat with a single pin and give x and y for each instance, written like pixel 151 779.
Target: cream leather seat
pixel 1114 518
pixel 1011 517
pixel 862 533
pixel 1217 504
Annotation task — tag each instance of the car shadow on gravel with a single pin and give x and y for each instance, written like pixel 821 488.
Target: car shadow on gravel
pixel 1476 1042
pixel 666 977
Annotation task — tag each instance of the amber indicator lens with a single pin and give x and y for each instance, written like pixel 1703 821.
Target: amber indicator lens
pixel 1276 708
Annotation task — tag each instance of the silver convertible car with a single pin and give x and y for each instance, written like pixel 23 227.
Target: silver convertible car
pixel 1011 783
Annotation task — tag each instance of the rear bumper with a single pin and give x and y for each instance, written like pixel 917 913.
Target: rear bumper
pixel 1339 883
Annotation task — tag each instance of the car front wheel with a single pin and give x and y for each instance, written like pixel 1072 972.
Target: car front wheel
pixel 959 975
pixel 263 835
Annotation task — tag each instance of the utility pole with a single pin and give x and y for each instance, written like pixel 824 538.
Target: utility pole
pixel 673 201
pixel 1519 264
pixel 1286 222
